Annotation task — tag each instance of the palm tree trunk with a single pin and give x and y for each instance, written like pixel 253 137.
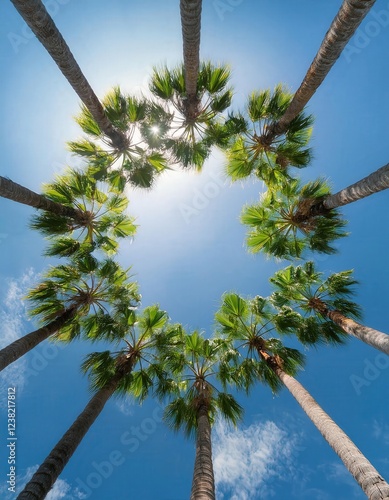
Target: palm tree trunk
pixel 203 485
pixel 23 345
pixel 21 194
pixel 346 22
pixel 44 478
pixel 191 28
pixel 368 335
pixel 368 478
pixel 42 25
pixel 373 183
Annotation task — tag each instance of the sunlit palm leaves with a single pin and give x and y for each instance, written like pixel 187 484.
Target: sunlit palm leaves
pixel 196 124
pixel 97 290
pixel 252 154
pixel 102 216
pixel 308 291
pixel 144 125
pixel 248 324
pixel 291 220
pixel 194 364
pixel 143 336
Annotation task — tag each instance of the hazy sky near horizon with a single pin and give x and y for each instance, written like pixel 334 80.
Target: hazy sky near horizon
pixel 186 259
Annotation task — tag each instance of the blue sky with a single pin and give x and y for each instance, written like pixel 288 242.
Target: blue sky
pixel 186 262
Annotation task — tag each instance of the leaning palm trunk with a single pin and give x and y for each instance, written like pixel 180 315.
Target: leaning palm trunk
pixel 42 25
pixel 21 194
pixel 191 27
pixel 203 485
pixel 349 17
pixel 368 335
pixel 368 478
pixel 44 478
pixel 373 183
pixel 23 345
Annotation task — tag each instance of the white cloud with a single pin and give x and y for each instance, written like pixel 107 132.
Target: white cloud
pixel 60 489
pixel 12 317
pixel 246 461
pixel 381 431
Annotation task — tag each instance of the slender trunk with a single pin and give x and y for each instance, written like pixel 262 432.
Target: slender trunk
pixel 344 25
pixel 45 477
pixel 23 345
pixel 203 485
pixel 191 28
pixel 373 183
pixel 42 25
pixel 368 478
pixel 21 194
pixel 374 338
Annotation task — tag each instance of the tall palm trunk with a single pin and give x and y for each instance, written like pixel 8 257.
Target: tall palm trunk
pixel 346 22
pixel 203 485
pixel 368 478
pixel 191 28
pixel 372 183
pixel 23 345
pixel 44 478
pixel 42 25
pixel 374 338
pixel 21 194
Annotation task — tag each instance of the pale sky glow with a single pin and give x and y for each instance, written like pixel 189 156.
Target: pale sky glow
pixel 190 248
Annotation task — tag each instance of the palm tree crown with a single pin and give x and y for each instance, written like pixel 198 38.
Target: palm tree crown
pixel 285 222
pixel 250 154
pixel 143 124
pixel 102 216
pixel 194 129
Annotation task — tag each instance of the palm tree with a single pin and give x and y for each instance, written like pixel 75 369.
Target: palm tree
pixel 36 16
pixel 194 131
pixel 281 229
pixel 191 27
pixel 198 402
pixel 15 192
pixel 249 154
pixel 344 25
pixel 130 371
pixel 75 299
pixel 243 322
pixel 102 222
pixel 144 125
pixel 327 304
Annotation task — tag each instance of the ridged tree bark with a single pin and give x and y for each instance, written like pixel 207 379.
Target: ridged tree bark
pixel 368 478
pixel 373 183
pixel 374 338
pixel 203 485
pixel 191 29
pixel 23 345
pixel 15 192
pixel 44 28
pixel 44 478
pixel 346 22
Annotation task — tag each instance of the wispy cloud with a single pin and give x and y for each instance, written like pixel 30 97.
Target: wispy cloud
pixel 60 489
pixel 381 431
pixel 246 461
pixel 13 317
pixel 126 406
